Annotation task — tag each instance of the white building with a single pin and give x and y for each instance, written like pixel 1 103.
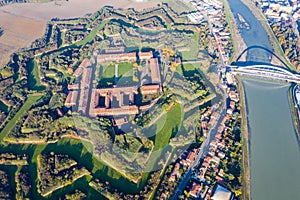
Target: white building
pixel 221 193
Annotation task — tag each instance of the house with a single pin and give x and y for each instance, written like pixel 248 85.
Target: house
pixel 150 89
pixel 213 144
pixel 59 112
pixel 204 124
pixel 195 190
pixel 221 144
pixel 113 101
pixel 204 132
pixel 116 57
pixel 155 71
pixel 145 55
pixel 85 63
pixel 232 105
pixel 214 116
pixel 219 178
pixel 207 158
pixel 73 86
pixel 221 129
pixel 205 164
pixel 229 111
pixel 190 158
pixel 232 94
pixel 172 178
pixel 221 173
pixel 175 174
pixel 200 176
pixel 78 71
pixel 215 160
pixel 71 99
pixel 221 154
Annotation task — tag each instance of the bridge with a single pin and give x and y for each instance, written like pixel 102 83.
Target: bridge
pixel 266 71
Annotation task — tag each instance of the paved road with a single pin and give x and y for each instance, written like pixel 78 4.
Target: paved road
pixel 202 150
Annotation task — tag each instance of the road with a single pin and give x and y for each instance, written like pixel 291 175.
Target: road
pixel 203 150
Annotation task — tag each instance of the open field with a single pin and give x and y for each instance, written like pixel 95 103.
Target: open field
pixel 25 22
pixel 18 32
pixel 69 9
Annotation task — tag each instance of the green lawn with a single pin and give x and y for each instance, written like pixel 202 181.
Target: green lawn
pixel 172 123
pixel 189 67
pixel 108 72
pixel 173 119
pixel 34 82
pixel 162 137
pixel 125 75
pixel 189 70
pixel 125 69
pixel 185 69
pixel 107 76
pixel 29 102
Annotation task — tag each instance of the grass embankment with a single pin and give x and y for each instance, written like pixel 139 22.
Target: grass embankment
pixel 28 103
pixel 192 54
pixel 274 42
pixel 81 184
pixel 92 34
pixel 294 111
pixel 245 141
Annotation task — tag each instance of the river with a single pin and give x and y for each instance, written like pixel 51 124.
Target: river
pixel 274 149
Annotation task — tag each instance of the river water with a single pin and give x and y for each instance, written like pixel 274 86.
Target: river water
pixel 274 149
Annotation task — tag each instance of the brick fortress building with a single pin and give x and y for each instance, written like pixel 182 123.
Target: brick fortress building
pixel 113 101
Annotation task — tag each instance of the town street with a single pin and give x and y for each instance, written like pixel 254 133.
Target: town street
pixel 202 150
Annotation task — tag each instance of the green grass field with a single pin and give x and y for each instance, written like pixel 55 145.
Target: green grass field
pixel 108 71
pixel 29 102
pixel 34 82
pixel 125 69
pixel 172 123
pixel 125 75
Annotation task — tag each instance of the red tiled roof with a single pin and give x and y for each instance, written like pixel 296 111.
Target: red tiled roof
pixel 155 72
pixel 85 63
pixel 71 98
pixel 145 55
